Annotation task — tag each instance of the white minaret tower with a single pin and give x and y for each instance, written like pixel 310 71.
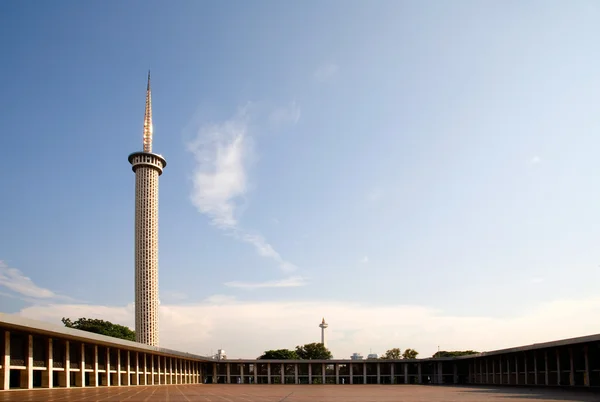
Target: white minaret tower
pixel 323 325
pixel 147 167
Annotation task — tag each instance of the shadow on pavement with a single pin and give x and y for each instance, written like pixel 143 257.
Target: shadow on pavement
pixel 540 394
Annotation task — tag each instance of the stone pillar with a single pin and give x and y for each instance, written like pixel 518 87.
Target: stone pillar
pixel 108 367
pixel 558 367
pixel 406 373
pixel 27 380
pixel 214 373
pixel 323 372
pixel 546 366
pixel 137 368
pixel 256 373
pixel 507 371
pixel 516 370
pixel 82 366
pixel 455 373
pixel 152 370
pixel 441 373
pixel 392 374
pixel 282 374
pixel 351 374
pixel 471 377
pixel 586 375
pixel 526 369
pixel 47 377
pixel 145 382
pixel 501 372
pixel 480 371
pixel 158 358
pixel 268 373
pixel 170 370
pixel 337 373
pixel 5 385
pixel 364 372
pixel 119 382
pixel 378 373
pixel 296 380
pixel 487 372
pixel 67 372
pixel 95 384
pixel 128 383
pixel 420 380
pixel 174 362
pixel 572 368
pixel 309 372
pixel 535 370
pixel 493 371
pixel 120 368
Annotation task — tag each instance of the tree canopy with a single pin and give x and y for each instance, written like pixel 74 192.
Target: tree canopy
pixel 313 351
pixel 409 354
pixel 279 354
pixel 100 327
pixel 392 354
pixel 455 353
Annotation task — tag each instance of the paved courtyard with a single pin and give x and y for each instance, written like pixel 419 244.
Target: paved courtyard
pixel 302 393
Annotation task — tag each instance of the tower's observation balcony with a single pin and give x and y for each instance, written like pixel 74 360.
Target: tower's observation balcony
pixel 156 161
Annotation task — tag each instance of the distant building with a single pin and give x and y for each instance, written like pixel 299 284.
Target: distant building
pixel 221 355
pixel 372 356
pixel 356 356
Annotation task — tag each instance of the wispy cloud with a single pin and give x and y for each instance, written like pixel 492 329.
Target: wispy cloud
pixel 220 181
pixel 326 72
pixel 294 281
pixel 535 160
pixel 14 280
pixel 216 322
pixel 365 259
pixel 283 115
pixel 375 195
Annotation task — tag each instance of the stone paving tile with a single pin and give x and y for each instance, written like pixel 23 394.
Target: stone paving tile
pixel 301 393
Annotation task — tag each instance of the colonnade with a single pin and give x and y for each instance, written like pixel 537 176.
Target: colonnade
pixel 570 365
pixel 332 372
pixel 32 361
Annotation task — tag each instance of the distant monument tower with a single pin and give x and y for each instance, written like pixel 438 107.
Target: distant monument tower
pixel 323 325
pixel 147 167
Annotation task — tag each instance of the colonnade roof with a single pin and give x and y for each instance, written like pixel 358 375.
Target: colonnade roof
pixel 332 361
pixel 18 323
pixel 537 346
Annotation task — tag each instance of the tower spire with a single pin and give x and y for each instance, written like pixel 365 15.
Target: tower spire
pixel 148 118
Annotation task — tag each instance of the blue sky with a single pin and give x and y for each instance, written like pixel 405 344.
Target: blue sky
pixel 412 171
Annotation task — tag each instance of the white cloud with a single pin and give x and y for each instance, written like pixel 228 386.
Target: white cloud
pixel 326 72
pixel 365 259
pixel 535 160
pixel 222 152
pixel 290 282
pixel 285 115
pixel 353 327
pixel 375 195
pixel 14 280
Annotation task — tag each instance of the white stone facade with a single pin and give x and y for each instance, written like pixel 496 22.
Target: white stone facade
pixel 147 168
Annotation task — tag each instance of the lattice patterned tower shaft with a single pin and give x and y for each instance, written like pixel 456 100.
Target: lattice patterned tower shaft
pixel 148 167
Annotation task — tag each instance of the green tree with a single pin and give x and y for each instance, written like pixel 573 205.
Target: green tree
pixel 392 354
pixel 279 354
pixel 313 351
pixel 410 354
pixel 100 327
pixel 455 353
